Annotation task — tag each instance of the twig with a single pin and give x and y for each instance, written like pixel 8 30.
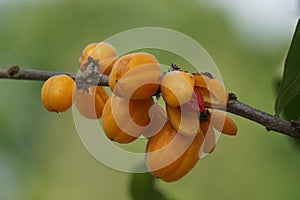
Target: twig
pixel 15 72
pixel 271 122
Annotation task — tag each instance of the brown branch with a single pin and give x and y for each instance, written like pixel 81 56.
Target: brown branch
pixel 15 72
pixel 271 122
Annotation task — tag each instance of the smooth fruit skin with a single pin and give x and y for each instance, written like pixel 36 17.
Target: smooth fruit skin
pixel 209 136
pixel 177 88
pixel 104 52
pixel 91 103
pixel 158 117
pixel 223 122
pixel 212 91
pixel 86 52
pixel 135 76
pixel 184 121
pixel 57 93
pixel 125 120
pixel 45 94
pixel 170 156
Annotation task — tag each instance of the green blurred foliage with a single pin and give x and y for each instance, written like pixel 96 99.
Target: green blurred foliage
pixel 41 156
pixel 142 186
pixel 291 111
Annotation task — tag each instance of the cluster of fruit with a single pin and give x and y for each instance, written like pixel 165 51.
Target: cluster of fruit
pixel 177 133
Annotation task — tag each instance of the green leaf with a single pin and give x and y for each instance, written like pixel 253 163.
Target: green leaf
pixel 290 111
pixel 290 84
pixel 143 187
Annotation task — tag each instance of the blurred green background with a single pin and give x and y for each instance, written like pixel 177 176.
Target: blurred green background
pixel 41 155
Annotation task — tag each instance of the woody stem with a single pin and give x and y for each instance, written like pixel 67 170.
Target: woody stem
pixel 271 122
pixel 15 72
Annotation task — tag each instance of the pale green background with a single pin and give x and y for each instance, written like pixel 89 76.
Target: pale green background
pixel 41 156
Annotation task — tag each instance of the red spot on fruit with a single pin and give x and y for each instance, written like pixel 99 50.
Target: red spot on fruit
pixel 196 104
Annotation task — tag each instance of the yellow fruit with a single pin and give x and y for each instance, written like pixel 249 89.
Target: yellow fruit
pixel 177 88
pixel 86 52
pixel 170 156
pixel 158 117
pixel 209 136
pixel 135 76
pixel 90 103
pixel 57 92
pixel 103 52
pixel 184 121
pixel 222 122
pixel 213 92
pixel 125 120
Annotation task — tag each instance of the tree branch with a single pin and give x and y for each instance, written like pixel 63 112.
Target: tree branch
pixel 271 122
pixel 15 72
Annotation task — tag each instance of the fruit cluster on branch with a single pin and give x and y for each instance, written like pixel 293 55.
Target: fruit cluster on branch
pixel 178 132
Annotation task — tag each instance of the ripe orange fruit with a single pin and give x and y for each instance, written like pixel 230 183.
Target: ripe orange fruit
pixel 125 120
pixel 184 121
pixel 103 52
pixel 90 103
pixel 170 156
pixel 135 76
pixel 177 88
pixel 209 136
pixel 213 92
pixel 57 92
pixel 223 122
pixel 158 117
pixel 86 52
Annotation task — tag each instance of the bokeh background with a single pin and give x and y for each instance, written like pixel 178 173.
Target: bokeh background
pixel 41 155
